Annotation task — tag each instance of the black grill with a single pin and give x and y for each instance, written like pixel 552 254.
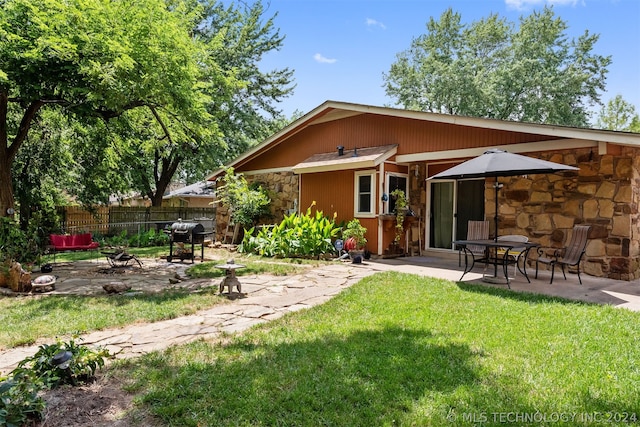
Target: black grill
pixel 182 233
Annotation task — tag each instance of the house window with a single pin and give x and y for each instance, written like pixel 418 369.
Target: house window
pixel 395 182
pixel 365 194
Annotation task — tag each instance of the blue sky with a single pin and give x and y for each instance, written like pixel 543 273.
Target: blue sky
pixel 339 49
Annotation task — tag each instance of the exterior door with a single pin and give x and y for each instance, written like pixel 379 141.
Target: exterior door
pixel 441 214
pixel 451 204
pixel 470 204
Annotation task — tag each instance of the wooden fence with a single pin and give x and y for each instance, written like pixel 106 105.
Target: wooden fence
pixel 112 220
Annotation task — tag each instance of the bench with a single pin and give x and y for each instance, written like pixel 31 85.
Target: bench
pixel 72 242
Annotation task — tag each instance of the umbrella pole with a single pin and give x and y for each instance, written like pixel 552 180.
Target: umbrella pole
pixel 495 222
pixel 496 186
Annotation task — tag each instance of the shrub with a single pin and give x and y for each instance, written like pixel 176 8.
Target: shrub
pixel 247 203
pixel 80 365
pixel 304 235
pixel 19 400
pixel 15 244
pixel 52 365
pixel 141 240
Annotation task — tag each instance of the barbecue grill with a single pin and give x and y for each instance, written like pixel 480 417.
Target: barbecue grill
pixel 186 233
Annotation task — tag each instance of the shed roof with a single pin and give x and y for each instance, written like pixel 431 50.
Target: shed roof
pixel 350 159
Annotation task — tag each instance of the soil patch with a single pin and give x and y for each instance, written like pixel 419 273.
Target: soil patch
pixel 101 403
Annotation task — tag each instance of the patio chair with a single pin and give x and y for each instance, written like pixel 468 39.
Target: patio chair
pixel 476 230
pixel 514 253
pixel 571 255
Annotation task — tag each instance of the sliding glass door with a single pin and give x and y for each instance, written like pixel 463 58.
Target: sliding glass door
pixel 451 205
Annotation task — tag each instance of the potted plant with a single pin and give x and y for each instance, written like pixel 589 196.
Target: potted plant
pixel 355 240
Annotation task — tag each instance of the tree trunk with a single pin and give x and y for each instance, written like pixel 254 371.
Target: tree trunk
pixel 6 185
pixel 161 187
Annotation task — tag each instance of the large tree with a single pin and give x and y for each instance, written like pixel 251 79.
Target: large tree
pixel 490 68
pixel 245 112
pixel 144 149
pixel 98 58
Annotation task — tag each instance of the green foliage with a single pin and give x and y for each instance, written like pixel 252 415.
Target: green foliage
pixel 401 212
pixel 209 269
pixel 490 68
pixel 44 167
pixel 15 244
pixel 20 400
pixel 305 235
pixel 357 231
pixel 619 115
pixel 246 203
pixel 102 59
pixel 81 366
pixel 239 36
pixel 143 239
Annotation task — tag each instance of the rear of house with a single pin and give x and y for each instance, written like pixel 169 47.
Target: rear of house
pixel 348 158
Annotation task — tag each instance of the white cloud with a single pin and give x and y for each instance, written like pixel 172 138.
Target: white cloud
pixel 323 60
pixel 526 4
pixel 373 23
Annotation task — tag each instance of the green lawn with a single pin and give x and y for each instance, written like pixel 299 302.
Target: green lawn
pixel 24 320
pixel 399 349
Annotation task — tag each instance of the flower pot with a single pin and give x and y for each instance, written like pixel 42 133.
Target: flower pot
pixel 357 255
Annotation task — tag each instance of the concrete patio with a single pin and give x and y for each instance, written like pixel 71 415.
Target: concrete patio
pixel 593 289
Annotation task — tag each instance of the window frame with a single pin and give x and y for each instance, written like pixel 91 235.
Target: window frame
pixel 388 193
pixel 357 193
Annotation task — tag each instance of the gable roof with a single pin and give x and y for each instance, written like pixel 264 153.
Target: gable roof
pixel 334 110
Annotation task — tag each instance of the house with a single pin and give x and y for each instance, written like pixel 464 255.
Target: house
pixel 198 195
pixel 348 158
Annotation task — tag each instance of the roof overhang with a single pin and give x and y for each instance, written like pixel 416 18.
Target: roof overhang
pixel 358 158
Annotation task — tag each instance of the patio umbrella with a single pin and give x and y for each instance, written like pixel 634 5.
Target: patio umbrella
pixel 495 163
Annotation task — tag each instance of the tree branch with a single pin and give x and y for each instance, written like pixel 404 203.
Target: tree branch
pixel 4 105
pixel 23 130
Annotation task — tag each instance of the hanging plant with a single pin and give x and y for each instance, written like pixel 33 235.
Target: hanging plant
pixel 400 211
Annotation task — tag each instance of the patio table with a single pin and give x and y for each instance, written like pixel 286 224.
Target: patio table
pixel 491 257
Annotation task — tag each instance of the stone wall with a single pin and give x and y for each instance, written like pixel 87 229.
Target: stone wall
pixel 283 191
pixel 603 194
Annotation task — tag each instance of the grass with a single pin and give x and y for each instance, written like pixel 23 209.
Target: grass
pixel 275 267
pixel 25 320
pixel 71 256
pixel 399 349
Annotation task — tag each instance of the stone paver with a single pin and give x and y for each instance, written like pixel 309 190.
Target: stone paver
pixel 269 297
pixel 265 298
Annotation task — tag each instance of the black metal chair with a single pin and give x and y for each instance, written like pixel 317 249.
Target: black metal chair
pixel 570 255
pixel 476 230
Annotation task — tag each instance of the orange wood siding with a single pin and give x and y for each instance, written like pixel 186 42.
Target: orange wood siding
pixel 333 193
pixel 370 130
